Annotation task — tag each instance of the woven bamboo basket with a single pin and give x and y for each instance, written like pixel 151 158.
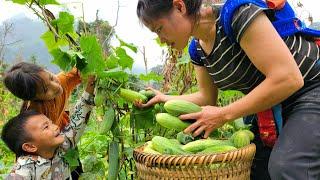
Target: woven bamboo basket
pixel 235 165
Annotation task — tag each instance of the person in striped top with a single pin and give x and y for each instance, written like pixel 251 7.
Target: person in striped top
pixel 269 70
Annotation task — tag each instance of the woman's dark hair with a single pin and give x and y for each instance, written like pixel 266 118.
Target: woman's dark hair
pixel 14 133
pixel 148 10
pixel 23 80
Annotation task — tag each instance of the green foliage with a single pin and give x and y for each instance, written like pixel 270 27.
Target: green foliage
pixel 51 42
pixel 112 61
pixel 46 2
pixel 151 76
pixel 64 23
pixel 7 159
pixel 159 42
pixel 99 99
pixel 9 107
pixel 101 29
pixel 92 51
pixel 20 1
pixel 125 61
pixel 116 73
pixel 41 2
pixel 128 45
pixel 71 157
pixel 229 96
pixel 142 118
pixel 62 59
pixel 184 138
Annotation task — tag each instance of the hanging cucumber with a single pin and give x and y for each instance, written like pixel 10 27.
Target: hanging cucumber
pixel 113 160
pixel 108 120
pixel 132 96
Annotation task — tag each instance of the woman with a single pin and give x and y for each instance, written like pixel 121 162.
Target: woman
pixel 268 69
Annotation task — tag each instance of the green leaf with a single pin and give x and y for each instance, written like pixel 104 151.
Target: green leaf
pixel 125 61
pixel 128 151
pixel 116 73
pixel 159 42
pixel 128 45
pixel 81 63
pixel 64 23
pixel 45 2
pixel 142 118
pixel 20 1
pixel 112 62
pixel 92 51
pixel 73 35
pixel 62 59
pixel 51 42
pixel 77 59
pixel 71 157
pixel 151 76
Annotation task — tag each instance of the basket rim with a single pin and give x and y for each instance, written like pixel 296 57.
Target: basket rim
pixel 245 153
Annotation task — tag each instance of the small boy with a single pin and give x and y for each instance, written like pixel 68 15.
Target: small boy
pixel 39 144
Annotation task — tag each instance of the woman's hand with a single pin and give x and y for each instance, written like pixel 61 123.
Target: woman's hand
pixel 158 98
pixel 209 119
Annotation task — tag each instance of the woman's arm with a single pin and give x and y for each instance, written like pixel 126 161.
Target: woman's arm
pixel 271 56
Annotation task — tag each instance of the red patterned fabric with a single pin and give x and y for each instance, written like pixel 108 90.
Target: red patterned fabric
pixel 267 127
pixel 317 41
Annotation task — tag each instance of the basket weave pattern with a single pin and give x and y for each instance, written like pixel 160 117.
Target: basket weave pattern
pixel 230 165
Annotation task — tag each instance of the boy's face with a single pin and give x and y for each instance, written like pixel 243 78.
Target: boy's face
pixel 44 134
pixel 51 88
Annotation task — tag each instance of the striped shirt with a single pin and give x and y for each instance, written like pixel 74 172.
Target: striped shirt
pixel 230 67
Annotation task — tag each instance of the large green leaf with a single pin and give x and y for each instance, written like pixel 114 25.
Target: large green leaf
pixel 92 51
pixel 62 59
pixel 81 62
pixel 77 59
pixel 112 61
pixel 45 2
pixel 142 118
pixel 116 73
pixel 51 42
pixel 20 1
pixel 151 76
pixel 128 45
pixel 64 22
pixel 72 157
pixel 125 61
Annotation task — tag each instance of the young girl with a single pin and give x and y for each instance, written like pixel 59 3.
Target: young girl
pixel 44 92
pixel 269 70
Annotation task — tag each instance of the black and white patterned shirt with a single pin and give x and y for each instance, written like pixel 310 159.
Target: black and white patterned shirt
pixel 230 67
